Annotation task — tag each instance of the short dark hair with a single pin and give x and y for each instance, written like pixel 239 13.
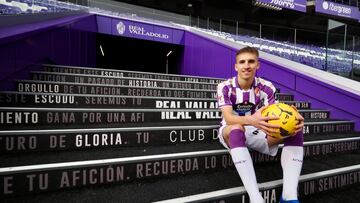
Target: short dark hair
pixel 251 50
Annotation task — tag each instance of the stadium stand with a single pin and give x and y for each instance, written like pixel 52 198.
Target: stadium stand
pixel 339 61
pixel 37 6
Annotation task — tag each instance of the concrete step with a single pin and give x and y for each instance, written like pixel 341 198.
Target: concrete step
pixel 23 141
pixel 109 80
pixel 35 118
pixel 329 180
pixel 315 145
pixel 96 89
pixel 16 141
pixel 66 175
pixel 30 99
pixel 127 74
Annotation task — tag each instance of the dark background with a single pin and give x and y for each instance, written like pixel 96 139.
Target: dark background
pixel 135 54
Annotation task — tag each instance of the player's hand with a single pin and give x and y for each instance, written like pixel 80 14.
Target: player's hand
pixel 300 125
pixel 260 122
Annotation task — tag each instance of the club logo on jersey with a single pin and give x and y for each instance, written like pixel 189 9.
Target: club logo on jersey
pixel 243 108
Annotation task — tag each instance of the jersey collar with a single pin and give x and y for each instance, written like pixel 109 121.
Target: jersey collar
pixel 237 85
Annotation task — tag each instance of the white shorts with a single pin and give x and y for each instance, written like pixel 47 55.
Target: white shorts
pixel 255 139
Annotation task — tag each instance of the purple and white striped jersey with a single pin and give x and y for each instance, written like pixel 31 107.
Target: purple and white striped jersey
pixel 245 102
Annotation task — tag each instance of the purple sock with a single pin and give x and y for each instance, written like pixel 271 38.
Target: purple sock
pixel 237 138
pixel 296 140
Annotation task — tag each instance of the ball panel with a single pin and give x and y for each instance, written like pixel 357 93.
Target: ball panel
pixel 287 119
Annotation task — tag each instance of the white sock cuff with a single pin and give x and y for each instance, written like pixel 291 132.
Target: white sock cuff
pixel 294 148
pixel 239 154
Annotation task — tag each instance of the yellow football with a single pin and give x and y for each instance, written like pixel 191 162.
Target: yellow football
pixel 287 119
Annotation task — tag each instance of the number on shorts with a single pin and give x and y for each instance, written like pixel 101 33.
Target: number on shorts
pixel 255 132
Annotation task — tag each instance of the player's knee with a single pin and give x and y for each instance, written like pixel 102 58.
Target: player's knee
pixel 237 126
pixel 296 140
pixel 237 138
pixel 231 128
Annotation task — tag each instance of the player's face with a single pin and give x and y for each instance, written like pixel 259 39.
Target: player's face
pixel 246 65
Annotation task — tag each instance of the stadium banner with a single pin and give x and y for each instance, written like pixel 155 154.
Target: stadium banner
pixel 336 9
pixel 143 31
pixel 298 5
pixel 139 30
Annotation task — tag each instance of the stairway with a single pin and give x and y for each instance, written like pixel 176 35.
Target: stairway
pixel 85 134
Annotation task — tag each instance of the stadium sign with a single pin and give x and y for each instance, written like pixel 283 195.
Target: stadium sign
pixel 298 5
pixel 332 8
pixel 139 30
pixel 159 32
pixel 144 31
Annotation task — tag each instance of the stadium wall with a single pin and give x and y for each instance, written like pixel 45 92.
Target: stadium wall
pixel 65 39
pixel 24 47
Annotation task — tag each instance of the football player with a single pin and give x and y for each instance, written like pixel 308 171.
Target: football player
pixel 241 100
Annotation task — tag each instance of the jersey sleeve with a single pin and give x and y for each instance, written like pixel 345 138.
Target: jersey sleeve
pixel 270 90
pixel 222 96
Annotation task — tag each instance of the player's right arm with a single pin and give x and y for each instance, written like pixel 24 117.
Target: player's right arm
pixel 256 119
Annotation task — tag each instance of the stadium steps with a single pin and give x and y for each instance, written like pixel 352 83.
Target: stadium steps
pixel 316 178
pixel 125 81
pixel 108 89
pixel 120 138
pixel 129 74
pixel 33 118
pixel 180 185
pixel 189 145
pixel 195 149
pixel 64 100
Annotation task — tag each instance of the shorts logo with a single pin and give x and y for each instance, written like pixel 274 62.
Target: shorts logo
pixel 121 28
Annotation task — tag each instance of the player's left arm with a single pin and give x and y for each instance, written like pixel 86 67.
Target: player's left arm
pixel 300 125
pixel 270 91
